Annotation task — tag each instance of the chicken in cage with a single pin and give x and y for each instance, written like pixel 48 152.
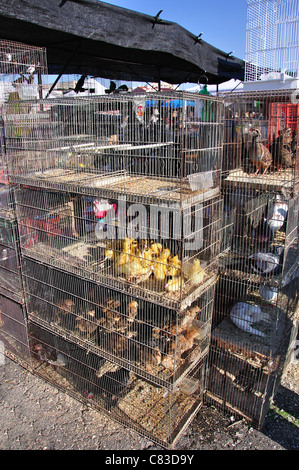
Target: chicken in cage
pixel 158 342
pixel 260 140
pixel 154 411
pixel 155 249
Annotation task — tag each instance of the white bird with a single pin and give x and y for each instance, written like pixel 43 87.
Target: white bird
pixel 264 263
pixel 60 361
pixel 31 69
pixel 247 316
pixel 268 293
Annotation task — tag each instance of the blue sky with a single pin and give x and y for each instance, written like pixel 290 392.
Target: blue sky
pixel 222 22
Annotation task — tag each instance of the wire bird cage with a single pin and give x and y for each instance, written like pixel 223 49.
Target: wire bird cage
pixel 163 254
pixel 256 298
pixel 174 139
pixel 130 400
pixel 158 343
pixel 119 215
pixel 14 341
pixel 23 71
pixel 272 32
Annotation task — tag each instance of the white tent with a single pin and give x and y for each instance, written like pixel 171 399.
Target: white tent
pixel 228 86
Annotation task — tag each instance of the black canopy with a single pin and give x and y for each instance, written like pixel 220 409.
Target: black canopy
pixel 101 40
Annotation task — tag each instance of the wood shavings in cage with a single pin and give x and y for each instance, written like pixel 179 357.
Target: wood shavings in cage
pixel 284 178
pixel 155 409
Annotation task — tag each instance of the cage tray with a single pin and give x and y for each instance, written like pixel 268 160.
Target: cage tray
pixel 273 181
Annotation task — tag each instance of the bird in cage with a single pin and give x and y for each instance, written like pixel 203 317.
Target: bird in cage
pixel 49 355
pixel 160 265
pixel 64 312
pixel 266 264
pixel 85 327
pixel 258 153
pixel 111 316
pixel 268 293
pixel 250 318
pixel 178 346
pixel 174 284
pixel 150 358
pixel 261 234
pixel 194 272
pixel 132 311
pixel 174 266
pixel 281 150
pixel 294 143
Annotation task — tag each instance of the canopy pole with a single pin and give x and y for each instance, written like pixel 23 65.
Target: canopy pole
pixel 63 70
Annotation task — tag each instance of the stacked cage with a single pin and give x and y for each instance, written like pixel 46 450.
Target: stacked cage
pixel 272 29
pixel 21 69
pixel 256 303
pixel 119 210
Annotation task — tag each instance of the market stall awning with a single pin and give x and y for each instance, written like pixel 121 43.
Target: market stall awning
pixel 101 40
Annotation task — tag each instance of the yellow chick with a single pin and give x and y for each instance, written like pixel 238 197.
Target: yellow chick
pixel 195 273
pixel 174 266
pixel 109 253
pixel 133 268
pixel 160 265
pixel 156 248
pixel 174 284
pixel 146 258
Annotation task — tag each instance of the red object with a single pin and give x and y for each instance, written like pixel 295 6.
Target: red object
pixel 49 225
pixel 282 115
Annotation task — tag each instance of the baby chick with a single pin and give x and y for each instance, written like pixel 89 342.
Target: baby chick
pixel 160 265
pixel 66 307
pixel 174 266
pixel 156 248
pixel 151 358
pixel 85 327
pixel 132 310
pixel 174 284
pixel 195 273
pixel 188 317
pixel 111 316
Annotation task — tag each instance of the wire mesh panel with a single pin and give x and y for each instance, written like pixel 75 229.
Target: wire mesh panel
pixel 13 331
pixel 10 274
pixel 151 410
pixel 22 67
pixel 261 140
pixel 249 346
pixel 158 343
pixel 158 251
pixel 92 142
pixel 260 186
pixel 272 32
pixel 255 298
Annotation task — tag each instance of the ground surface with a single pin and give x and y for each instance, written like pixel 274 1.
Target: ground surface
pixel 37 416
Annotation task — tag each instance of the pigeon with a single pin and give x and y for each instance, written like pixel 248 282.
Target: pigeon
pixel 247 316
pixel 265 263
pixel 278 215
pixel 268 293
